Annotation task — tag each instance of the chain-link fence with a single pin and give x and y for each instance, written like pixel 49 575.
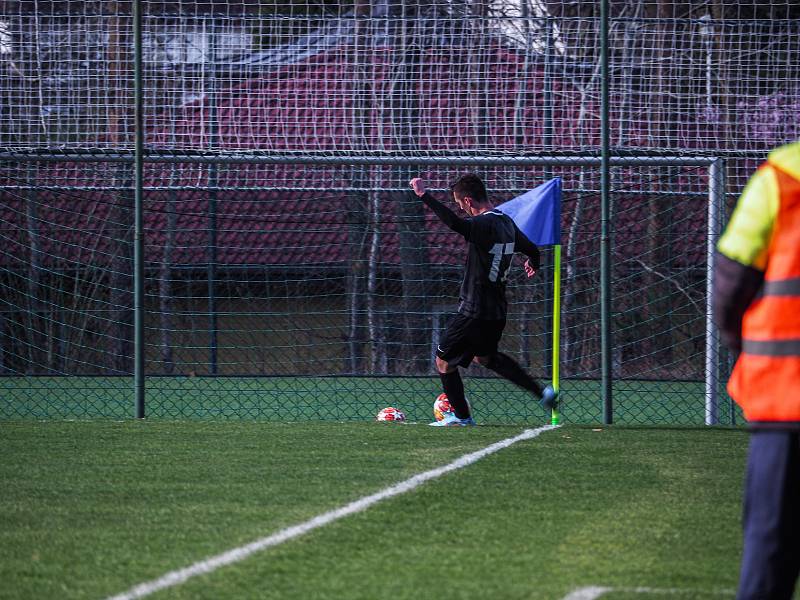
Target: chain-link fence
pixel 327 299
pixel 288 274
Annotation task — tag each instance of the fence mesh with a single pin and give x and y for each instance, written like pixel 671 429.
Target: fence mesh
pixel 410 78
pixel 312 289
pixel 326 300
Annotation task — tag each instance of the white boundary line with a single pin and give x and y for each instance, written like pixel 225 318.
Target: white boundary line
pixel 208 565
pixel 595 591
pixel 587 593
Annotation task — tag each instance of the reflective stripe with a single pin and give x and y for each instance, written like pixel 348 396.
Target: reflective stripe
pixel 772 347
pixel 781 287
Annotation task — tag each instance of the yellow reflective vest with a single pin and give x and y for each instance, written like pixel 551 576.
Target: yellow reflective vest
pixel 764 233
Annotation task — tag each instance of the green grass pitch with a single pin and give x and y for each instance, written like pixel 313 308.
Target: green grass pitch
pixel 92 508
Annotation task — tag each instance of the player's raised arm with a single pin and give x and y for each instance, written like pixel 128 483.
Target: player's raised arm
pixel 447 216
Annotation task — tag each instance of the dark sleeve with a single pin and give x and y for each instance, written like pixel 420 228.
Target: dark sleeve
pixel 735 287
pixel 525 246
pixel 447 216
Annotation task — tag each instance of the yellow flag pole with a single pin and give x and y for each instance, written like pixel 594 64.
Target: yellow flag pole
pixel 555 417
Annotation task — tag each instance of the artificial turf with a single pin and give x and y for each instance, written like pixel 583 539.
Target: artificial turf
pixel 93 508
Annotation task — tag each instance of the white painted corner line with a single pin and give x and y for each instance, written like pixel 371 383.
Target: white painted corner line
pixel 208 565
pixel 595 591
pixel 587 593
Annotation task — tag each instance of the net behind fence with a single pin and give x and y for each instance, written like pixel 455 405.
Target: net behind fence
pixel 324 296
pixel 411 78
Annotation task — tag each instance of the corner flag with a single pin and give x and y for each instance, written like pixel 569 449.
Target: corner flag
pixel 537 213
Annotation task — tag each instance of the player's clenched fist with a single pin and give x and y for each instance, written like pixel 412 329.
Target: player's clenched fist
pixel 418 185
pixel 530 270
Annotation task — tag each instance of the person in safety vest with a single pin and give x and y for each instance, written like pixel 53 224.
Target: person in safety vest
pixel 757 309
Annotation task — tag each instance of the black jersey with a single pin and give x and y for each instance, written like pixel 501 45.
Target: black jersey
pixel 493 238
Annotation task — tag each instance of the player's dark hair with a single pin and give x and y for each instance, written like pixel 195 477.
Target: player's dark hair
pixel 470 185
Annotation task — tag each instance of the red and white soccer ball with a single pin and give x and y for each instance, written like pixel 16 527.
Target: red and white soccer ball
pixel 390 413
pixel 441 406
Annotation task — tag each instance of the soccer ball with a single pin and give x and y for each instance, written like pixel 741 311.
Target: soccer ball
pixel 441 406
pixel 390 413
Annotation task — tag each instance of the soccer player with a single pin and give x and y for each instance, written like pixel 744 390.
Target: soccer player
pixel 473 334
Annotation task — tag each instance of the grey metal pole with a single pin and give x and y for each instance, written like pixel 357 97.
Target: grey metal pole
pixel 716 199
pixel 349 160
pixel 211 274
pixel 138 228
pixel 605 225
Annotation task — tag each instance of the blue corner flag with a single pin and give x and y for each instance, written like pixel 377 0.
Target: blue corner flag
pixel 537 213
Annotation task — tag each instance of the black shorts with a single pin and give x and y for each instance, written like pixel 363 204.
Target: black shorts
pixel 466 338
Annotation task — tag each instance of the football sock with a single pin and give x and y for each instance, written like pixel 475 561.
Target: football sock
pixel 507 367
pixel 454 388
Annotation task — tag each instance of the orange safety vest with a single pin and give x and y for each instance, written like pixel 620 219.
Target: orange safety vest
pixel 766 379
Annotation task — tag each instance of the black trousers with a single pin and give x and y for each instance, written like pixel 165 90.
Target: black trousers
pixel 771 518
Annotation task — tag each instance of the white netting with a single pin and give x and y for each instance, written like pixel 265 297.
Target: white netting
pixel 403 78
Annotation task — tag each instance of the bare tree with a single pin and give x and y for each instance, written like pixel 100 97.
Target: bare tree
pixel 410 214
pixel 358 233
pixel 165 292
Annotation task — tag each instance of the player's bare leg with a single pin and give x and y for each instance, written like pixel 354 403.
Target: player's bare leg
pixel 454 388
pixel 507 367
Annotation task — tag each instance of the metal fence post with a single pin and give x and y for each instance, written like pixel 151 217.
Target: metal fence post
pixel 138 239
pixel 605 225
pixel 716 200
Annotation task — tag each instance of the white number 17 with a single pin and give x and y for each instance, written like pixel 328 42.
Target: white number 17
pixel 497 252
